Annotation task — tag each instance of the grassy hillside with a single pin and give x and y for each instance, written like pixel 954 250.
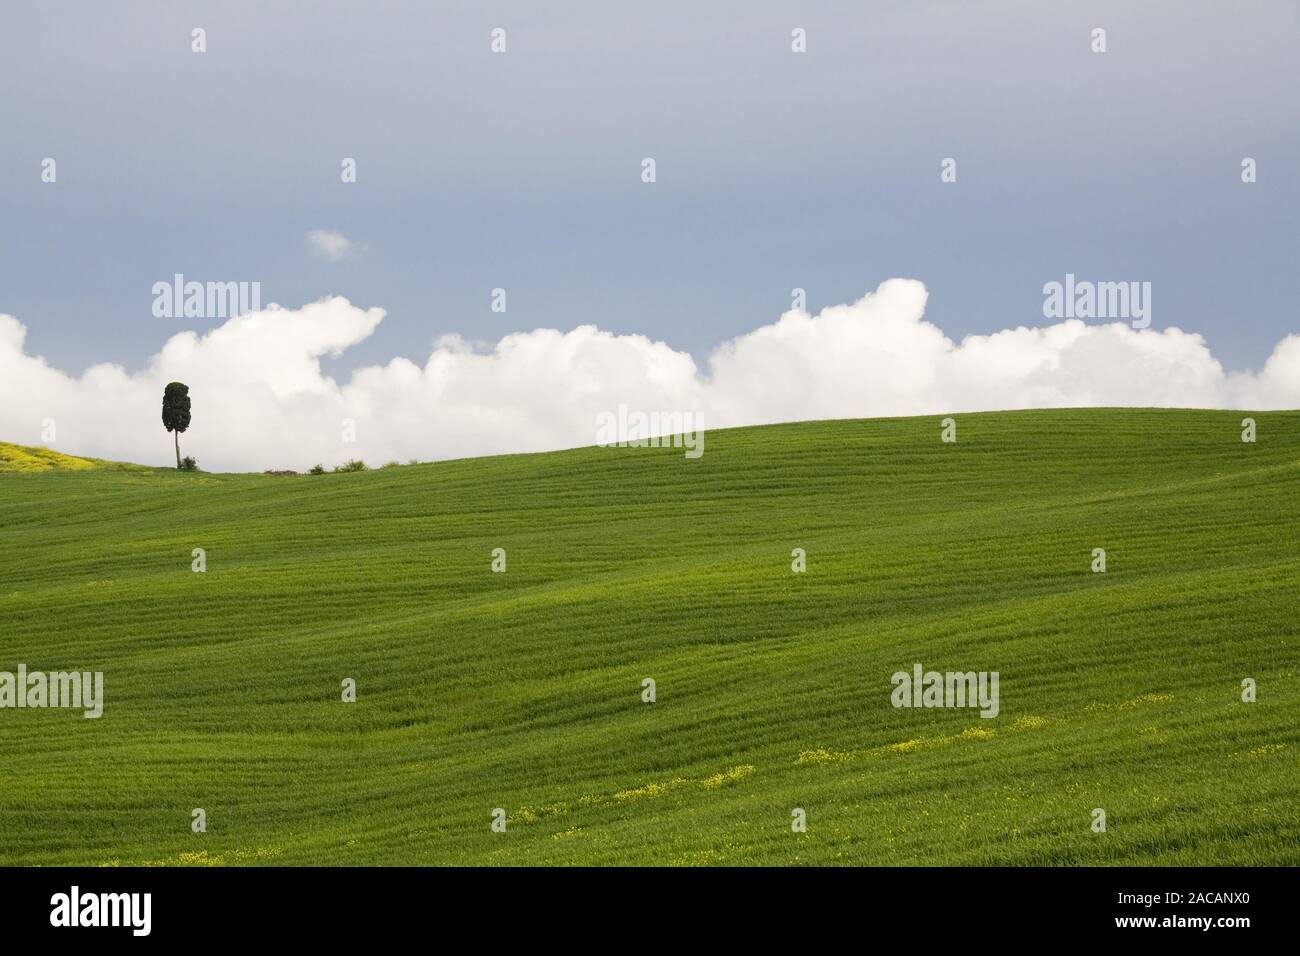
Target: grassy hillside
pixel 24 460
pixel 522 690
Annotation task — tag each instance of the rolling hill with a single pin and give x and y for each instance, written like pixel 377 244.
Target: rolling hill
pixel 523 690
pixel 19 459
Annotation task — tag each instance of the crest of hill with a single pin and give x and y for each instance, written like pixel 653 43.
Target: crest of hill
pixel 20 459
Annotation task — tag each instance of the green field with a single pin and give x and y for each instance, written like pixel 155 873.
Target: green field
pixel 522 690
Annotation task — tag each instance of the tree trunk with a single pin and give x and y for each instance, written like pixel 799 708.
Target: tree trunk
pixel 178 450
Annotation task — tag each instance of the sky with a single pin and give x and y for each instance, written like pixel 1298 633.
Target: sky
pixel 522 171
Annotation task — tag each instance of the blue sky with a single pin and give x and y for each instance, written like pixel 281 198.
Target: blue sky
pixel 521 170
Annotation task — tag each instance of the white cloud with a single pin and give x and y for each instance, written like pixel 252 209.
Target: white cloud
pixel 260 398
pixel 331 245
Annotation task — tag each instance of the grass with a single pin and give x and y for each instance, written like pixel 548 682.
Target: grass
pixel 523 690
pixel 18 459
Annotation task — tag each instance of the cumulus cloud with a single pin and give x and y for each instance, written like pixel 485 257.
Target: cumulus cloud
pixel 261 399
pixel 327 244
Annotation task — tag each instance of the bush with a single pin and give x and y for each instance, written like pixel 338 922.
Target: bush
pixel 189 464
pixel 393 464
pixel 316 470
pixel 354 464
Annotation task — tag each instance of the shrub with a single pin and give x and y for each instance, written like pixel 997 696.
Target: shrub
pixel 393 464
pixel 188 463
pixel 317 470
pixel 352 464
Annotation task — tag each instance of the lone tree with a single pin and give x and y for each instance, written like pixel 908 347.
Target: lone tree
pixel 176 413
